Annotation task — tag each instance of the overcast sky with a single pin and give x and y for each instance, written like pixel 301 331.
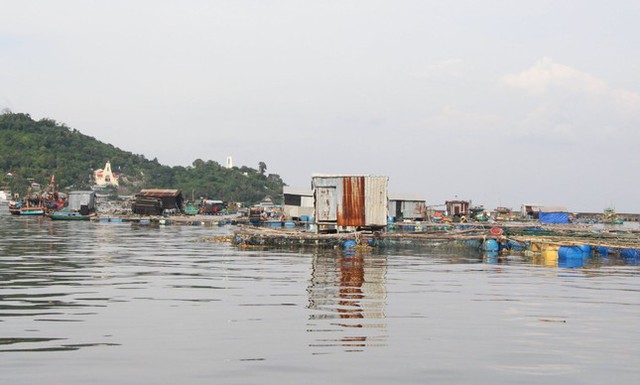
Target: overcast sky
pixel 500 102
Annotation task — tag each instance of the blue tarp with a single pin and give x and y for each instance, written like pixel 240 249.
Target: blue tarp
pixel 554 217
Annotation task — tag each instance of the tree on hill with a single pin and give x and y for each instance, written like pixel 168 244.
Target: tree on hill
pixel 36 150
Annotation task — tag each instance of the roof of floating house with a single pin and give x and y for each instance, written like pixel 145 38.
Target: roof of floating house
pixel 159 193
pixel 406 198
pixel 297 191
pixel 553 209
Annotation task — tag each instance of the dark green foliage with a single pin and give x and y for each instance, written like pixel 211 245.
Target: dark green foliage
pixel 37 150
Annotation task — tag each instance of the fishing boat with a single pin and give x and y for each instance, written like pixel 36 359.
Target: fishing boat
pixel 69 215
pixel 80 207
pixel 24 208
pixel 610 216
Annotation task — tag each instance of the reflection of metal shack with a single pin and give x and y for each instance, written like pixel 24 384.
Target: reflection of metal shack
pixel 156 201
pixel 345 203
pixel 404 207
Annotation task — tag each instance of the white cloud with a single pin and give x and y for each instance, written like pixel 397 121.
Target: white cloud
pixel 547 75
pixel 566 105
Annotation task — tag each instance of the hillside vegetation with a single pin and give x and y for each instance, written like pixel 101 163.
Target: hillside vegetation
pixel 33 151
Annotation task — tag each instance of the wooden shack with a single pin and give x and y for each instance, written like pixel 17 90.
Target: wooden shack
pixel 458 208
pixel 298 203
pixel 350 202
pixel 83 202
pixel 157 201
pixel 407 208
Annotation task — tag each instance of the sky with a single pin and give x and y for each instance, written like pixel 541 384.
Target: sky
pixel 497 102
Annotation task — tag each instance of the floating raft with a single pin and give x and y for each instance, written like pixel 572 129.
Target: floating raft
pixel 185 220
pixel 479 237
pixel 260 236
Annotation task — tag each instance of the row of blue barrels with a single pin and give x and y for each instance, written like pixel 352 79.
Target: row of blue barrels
pixel 569 256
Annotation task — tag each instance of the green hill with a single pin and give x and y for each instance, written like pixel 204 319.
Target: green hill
pixel 33 151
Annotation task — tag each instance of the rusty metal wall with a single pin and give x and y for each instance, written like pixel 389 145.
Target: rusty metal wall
pixel 351 212
pixel 351 201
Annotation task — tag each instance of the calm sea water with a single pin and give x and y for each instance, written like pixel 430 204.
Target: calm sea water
pixel 128 304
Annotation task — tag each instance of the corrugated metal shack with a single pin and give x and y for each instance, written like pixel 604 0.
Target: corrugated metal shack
pixel 530 211
pixel 298 203
pixel 156 201
pixel 406 207
pixel 350 202
pixel 83 202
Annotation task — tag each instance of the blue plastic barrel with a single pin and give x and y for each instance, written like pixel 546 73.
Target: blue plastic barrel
pixel 490 245
pixel 570 252
pixel 630 256
pixel 586 250
pixel 350 244
pixel 516 246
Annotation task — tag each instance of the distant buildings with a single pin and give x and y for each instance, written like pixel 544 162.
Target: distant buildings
pixel 105 177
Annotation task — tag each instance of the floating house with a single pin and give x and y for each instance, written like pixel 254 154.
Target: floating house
pixel 530 211
pixel 407 207
pixel 350 202
pixel 458 208
pixel 83 202
pixel 212 206
pixel 298 203
pixel 553 215
pixel 156 201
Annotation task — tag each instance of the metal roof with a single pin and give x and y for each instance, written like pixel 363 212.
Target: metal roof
pixel 553 209
pixel 297 191
pixel 159 193
pixel 405 197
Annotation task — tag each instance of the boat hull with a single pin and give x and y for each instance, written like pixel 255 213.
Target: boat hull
pixel 29 212
pixel 69 217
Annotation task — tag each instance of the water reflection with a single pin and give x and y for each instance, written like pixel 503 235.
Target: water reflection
pixel 593 261
pixel 347 297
